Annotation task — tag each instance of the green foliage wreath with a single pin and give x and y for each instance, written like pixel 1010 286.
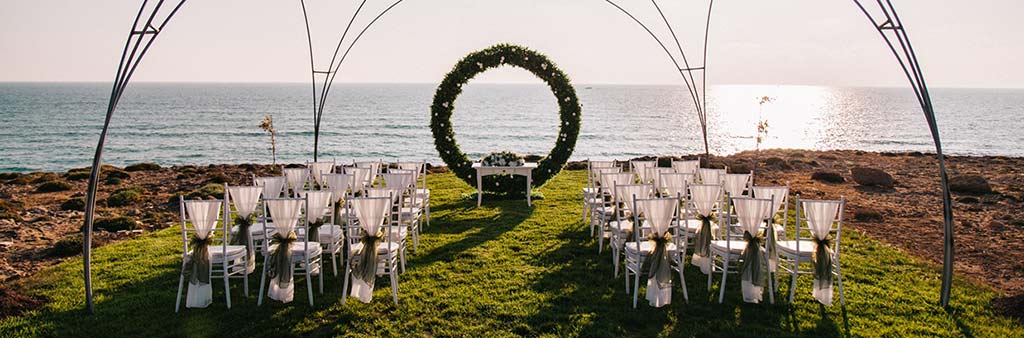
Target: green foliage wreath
pixel 478 62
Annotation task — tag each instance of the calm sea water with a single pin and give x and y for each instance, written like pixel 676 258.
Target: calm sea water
pixel 54 127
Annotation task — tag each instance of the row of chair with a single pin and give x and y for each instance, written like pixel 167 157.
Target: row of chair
pixel 722 220
pixel 314 211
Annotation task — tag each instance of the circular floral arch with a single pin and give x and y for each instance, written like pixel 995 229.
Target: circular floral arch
pixel 478 62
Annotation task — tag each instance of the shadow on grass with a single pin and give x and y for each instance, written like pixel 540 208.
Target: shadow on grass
pixel 589 301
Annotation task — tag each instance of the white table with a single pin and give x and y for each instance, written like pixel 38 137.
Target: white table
pixel 524 170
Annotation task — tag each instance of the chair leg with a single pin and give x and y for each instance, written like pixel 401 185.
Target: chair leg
pixel 636 283
pixel 320 276
pixel 181 284
pixel 615 260
pixel 625 276
pixel 334 262
pixel 227 284
pixel 309 282
pixel 402 256
pixel 394 285
pixel 710 273
pixel 415 241
pixel 839 272
pixel 725 273
pixel 345 282
pixel 428 213
pixel 263 283
pixel 792 281
pixel 682 280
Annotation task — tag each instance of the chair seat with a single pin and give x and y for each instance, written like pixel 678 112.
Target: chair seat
pixel 216 253
pixel 256 229
pixel 734 245
pixel 789 248
pixel 326 236
pixel 314 249
pixel 382 247
pixel 408 212
pixel 646 247
pixel 692 225
pixel 423 193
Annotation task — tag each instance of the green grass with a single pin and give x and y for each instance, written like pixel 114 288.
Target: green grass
pixel 503 270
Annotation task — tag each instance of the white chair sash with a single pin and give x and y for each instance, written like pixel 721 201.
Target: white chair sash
pixel 710 176
pixel 338 184
pixel 752 213
pixel 820 216
pixel 319 169
pixel 272 186
pixel 704 197
pixel 609 180
pixel 204 217
pixel 285 214
pixel 736 184
pixel 659 213
pixel 319 202
pixel 371 213
pixel 245 199
pixel 363 177
pixel 398 181
pixel 297 177
pixel 626 193
pixel 686 167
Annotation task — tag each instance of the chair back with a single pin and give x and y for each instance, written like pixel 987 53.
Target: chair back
pixel 362 177
pixel 778 194
pixel 674 183
pixel 705 198
pixel 594 164
pixel 204 216
pixel 370 215
pixel 609 181
pixel 711 176
pixel 317 171
pixel 420 168
pixel 653 175
pixel 339 185
pixel 627 193
pixel 819 219
pixel 374 166
pixel 273 186
pixel 286 215
pixel 639 168
pixel 686 167
pixel 659 213
pixel 245 199
pixel 297 178
pixel 736 185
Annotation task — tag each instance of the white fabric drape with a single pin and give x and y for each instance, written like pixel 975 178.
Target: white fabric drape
pixel 398 181
pixel 297 178
pixel 640 169
pixel 204 217
pixel 736 184
pixel 610 180
pixel 704 198
pixel 286 214
pixel 245 199
pixel 686 167
pixel 778 196
pixel 363 177
pixel 338 184
pixel 272 186
pixel 658 213
pixel 319 201
pixel 710 176
pixel 751 214
pixel 319 169
pixel 625 193
pixel 373 166
pixel 371 213
pixel 820 216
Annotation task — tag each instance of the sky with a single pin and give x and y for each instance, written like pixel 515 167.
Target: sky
pixel 806 42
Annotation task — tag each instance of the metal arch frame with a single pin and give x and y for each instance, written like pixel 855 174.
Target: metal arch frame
pixel 892 28
pixel 145 35
pixel 335 65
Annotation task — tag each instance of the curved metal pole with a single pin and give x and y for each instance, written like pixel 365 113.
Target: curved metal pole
pixel 697 97
pixel 912 70
pixel 333 67
pixel 126 68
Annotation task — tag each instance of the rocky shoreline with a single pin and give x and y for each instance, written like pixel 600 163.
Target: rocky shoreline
pixel 893 197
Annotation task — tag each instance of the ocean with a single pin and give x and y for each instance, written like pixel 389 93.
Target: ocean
pixel 55 126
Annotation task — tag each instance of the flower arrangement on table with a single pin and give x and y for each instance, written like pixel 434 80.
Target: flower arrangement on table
pixel 503 159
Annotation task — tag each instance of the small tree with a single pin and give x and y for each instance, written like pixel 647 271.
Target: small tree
pixel 268 126
pixel 762 128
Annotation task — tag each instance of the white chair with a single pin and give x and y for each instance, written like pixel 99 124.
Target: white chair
pixel 593 197
pixel 288 257
pixel 605 212
pixel 322 230
pixel 317 170
pixel 659 216
pixel 824 219
pixel 639 168
pixel 746 250
pixel 221 260
pixel 422 192
pixel 362 178
pixel 711 176
pixel 338 185
pixel 273 187
pixel 677 182
pixel 653 176
pixel 410 210
pixel 701 220
pixel 735 185
pixel 374 166
pixel 590 190
pixel 780 199
pixel 297 179
pixel 399 228
pixel 622 228
pixel 365 230
pixel 245 200
pixel 686 167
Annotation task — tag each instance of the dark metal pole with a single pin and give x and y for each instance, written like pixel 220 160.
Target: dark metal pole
pixel 126 68
pixel 908 62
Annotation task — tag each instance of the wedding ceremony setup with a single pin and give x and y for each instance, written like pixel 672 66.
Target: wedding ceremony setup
pixel 344 227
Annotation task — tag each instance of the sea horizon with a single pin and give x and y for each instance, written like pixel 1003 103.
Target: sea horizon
pixel 366 121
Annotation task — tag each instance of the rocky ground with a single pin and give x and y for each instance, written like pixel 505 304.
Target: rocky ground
pixel 895 198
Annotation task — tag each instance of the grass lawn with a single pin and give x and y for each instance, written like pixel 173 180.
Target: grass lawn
pixel 503 270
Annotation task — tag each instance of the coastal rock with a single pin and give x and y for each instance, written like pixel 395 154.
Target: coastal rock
pixel 970 184
pixel 144 166
pixel 777 163
pixel 827 176
pixel 868 215
pixel 871 177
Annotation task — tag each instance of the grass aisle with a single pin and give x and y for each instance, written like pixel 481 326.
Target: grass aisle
pixel 501 270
